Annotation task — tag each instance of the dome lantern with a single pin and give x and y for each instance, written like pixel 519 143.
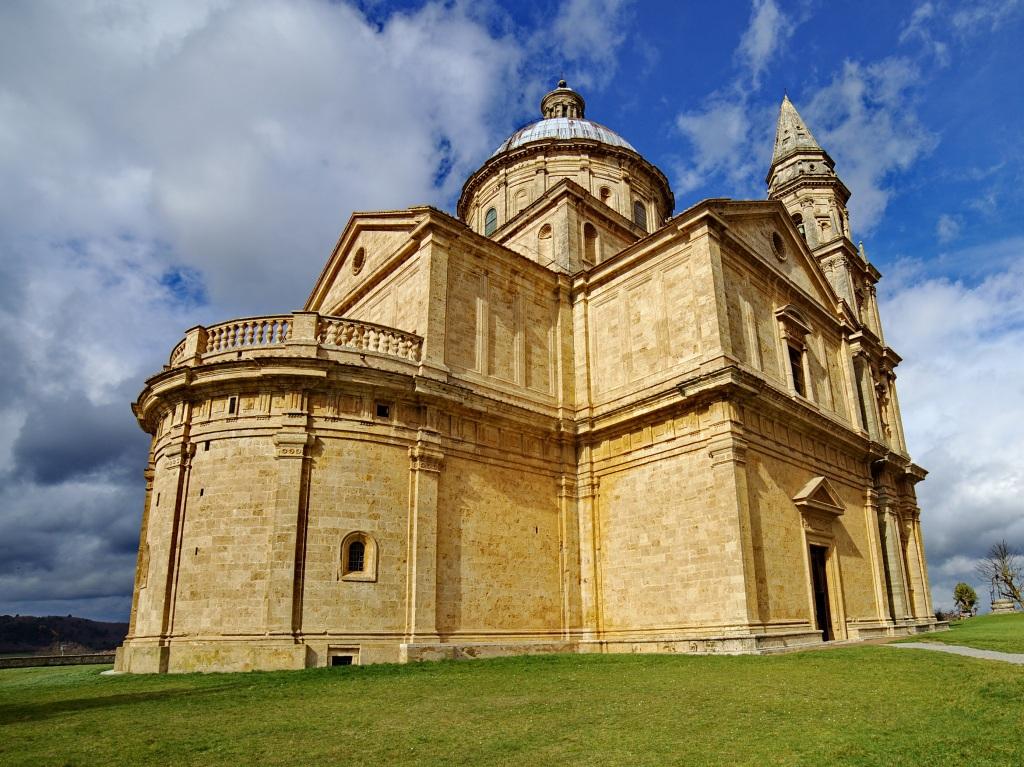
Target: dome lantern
pixel 563 101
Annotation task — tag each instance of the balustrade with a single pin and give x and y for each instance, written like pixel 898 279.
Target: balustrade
pixel 204 344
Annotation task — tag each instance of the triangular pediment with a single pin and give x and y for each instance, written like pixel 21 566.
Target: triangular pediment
pixel 368 243
pixel 762 230
pixel 819 495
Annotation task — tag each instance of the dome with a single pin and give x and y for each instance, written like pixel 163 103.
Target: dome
pixel 562 128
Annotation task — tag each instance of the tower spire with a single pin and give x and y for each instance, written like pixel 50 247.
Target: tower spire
pixel 791 132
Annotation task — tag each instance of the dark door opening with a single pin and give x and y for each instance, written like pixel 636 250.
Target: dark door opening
pixel 341 660
pixel 819 584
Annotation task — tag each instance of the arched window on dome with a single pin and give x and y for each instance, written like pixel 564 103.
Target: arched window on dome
pixel 358 557
pixel 589 243
pixel 606 195
pixel 490 221
pixel 640 214
pixel 520 201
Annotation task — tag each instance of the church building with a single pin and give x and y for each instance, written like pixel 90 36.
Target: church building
pixel 564 420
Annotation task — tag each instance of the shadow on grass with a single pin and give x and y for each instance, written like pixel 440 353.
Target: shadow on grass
pixel 20 713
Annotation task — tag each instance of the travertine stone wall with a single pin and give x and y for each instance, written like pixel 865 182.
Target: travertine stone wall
pixel 498 550
pixel 226 533
pixel 643 326
pixel 596 457
pixel 356 484
pixel 501 326
pixel 669 545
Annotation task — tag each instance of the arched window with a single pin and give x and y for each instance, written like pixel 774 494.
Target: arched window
pixel 355 557
pixel 590 243
pixel 606 195
pixel 358 557
pixel 520 201
pixel 798 220
pixel 490 221
pixel 640 214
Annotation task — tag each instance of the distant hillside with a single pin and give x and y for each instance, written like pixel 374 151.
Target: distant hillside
pixel 43 636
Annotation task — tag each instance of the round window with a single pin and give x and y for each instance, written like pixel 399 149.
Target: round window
pixel 778 246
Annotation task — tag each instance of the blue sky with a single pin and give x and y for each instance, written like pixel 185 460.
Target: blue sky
pixel 173 163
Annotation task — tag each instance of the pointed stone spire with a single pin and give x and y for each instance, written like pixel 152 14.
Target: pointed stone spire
pixel 791 133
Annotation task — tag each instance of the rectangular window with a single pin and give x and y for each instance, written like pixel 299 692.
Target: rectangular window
pixel 232 405
pixel 341 660
pixel 796 364
pixel 383 411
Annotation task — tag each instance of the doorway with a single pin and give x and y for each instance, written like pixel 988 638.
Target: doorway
pixel 819 587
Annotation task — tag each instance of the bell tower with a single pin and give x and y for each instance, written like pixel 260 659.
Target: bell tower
pixel 802 177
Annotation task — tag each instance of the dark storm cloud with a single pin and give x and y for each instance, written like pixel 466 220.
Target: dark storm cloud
pixel 66 438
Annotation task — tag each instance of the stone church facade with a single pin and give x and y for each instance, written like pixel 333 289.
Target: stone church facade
pixel 564 421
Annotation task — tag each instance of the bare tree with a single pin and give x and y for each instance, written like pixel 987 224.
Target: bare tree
pixel 1002 568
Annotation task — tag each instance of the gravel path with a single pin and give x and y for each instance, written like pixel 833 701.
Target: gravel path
pixel 1007 657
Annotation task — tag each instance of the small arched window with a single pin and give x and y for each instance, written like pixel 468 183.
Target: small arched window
pixel 490 221
pixel 358 557
pixel 798 220
pixel 590 243
pixel 355 557
pixel 520 201
pixel 640 215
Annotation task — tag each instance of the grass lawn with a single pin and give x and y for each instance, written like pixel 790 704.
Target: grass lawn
pixel 860 705
pixel 1004 633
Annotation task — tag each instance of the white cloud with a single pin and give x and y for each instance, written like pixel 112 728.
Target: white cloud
pixel 768 30
pixel 174 163
pixel 962 399
pixel 865 118
pixel 588 33
pixel 730 140
pixel 947 228
pixel 919 28
pixel 983 15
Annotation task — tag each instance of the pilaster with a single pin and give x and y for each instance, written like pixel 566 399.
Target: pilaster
pixel 284 581
pixel 425 463
pixel 434 250
pixel 728 453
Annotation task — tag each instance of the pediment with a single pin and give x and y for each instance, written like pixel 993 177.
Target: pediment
pixel 769 234
pixel 368 242
pixel 818 495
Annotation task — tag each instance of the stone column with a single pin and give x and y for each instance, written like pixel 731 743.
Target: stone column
pixel 876 538
pixel 866 391
pixel 919 586
pixel 894 563
pixel 426 460
pixel 897 418
pixel 929 610
pixel 288 521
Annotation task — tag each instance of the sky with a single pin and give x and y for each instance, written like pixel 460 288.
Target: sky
pixel 167 164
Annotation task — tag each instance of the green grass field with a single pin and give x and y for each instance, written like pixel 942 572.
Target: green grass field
pixel 1004 633
pixel 859 706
